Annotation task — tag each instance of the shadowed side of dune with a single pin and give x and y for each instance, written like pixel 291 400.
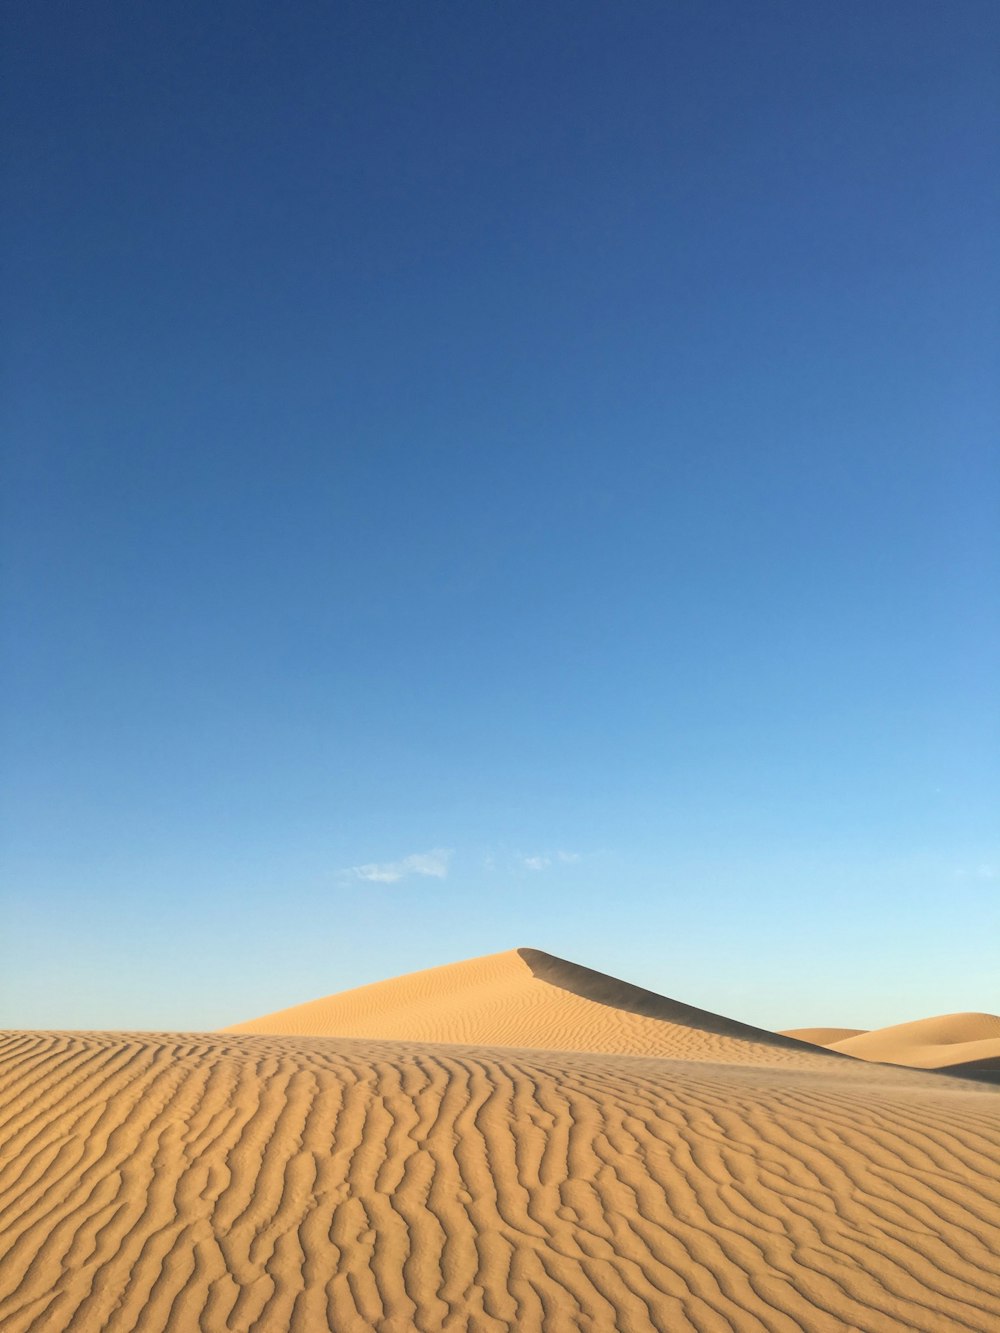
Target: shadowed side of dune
pixel 982 1071
pixel 599 988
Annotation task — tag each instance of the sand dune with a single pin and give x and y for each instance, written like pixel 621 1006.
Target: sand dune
pixel 527 998
pixel 953 1042
pixel 947 1042
pixel 822 1036
pixel 241 1183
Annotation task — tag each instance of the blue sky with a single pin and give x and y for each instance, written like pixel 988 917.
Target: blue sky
pixel 486 475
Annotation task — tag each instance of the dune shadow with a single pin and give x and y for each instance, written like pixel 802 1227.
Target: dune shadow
pixel 983 1071
pixel 622 995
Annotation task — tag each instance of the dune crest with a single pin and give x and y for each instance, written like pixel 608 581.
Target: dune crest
pixel 529 999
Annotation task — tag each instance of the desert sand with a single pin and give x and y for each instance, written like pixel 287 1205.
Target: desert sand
pixel 509 1143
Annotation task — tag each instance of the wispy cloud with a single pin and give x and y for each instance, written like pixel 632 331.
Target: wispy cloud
pixel 542 862
pixel 433 864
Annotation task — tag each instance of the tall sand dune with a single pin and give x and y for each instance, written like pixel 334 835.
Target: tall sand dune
pixel 527 998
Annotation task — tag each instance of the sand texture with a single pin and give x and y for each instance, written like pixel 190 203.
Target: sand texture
pixel 234 1182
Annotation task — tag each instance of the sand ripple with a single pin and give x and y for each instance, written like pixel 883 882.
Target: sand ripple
pixel 234 1182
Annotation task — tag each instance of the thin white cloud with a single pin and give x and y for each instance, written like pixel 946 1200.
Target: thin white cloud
pixel 543 862
pixel 433 864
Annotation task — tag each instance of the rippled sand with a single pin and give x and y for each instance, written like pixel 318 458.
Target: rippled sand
pixel 235 1181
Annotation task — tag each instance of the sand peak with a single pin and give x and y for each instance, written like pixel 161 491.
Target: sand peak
pixel 529 998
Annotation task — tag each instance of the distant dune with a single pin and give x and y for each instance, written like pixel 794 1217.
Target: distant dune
pixel 954 1043
pixel 822 1036
pixel 526 998
pixel 243 1183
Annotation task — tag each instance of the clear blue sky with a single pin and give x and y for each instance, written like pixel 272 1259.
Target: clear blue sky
pixel 542 455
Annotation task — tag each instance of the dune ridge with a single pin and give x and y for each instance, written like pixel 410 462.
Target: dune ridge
pixel 527 998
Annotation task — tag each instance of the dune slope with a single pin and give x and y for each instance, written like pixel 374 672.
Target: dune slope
pixel 527 998
pixel 226 1182
pixel 944 1042
pixel 822 1036
pixel 966 1045
pixel 954 1043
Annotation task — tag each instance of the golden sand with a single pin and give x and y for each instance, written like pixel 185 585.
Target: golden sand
pixel 653 1168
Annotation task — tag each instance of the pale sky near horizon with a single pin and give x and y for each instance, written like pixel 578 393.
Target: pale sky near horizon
pixel 489 475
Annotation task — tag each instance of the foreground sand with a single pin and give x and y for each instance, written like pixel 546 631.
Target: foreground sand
pixel 248 1182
